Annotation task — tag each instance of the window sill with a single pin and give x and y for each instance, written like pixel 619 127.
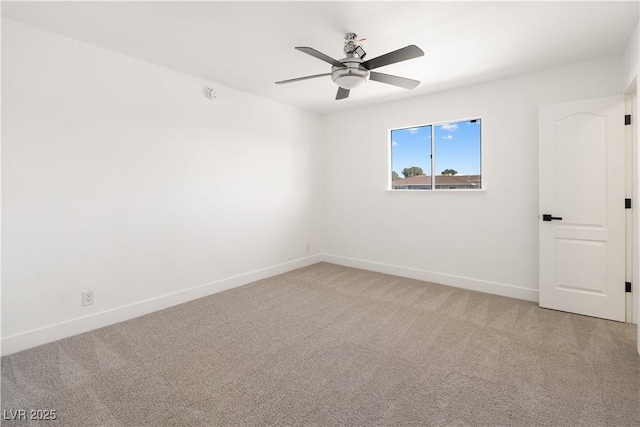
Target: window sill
pixel 480 191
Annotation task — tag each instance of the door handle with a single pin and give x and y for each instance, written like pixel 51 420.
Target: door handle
pixel 547 217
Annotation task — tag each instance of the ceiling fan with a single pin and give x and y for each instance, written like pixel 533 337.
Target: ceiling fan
pixel 351 72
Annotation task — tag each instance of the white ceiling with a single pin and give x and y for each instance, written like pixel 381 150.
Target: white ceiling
pixel 250 45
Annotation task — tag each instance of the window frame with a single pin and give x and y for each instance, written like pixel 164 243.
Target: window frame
pixel 433 189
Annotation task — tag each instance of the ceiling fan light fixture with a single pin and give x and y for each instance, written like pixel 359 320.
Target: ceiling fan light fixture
pixel 350 78
pixel 350 82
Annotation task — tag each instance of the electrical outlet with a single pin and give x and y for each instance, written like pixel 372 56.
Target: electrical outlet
pixel 87 298
pixel 289 254
pixel 308 248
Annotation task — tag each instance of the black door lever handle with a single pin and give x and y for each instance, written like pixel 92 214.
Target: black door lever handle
pixel 547 217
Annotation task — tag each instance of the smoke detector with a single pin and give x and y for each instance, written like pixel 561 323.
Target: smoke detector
pixel 210 93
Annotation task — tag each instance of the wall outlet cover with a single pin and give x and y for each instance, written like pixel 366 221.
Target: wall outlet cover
pixel 87 298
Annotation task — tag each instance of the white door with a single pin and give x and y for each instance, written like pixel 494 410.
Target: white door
pixel 582 181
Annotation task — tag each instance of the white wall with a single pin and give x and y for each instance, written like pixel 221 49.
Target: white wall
pixel 121 177
pixel 631 58
pixel 486 241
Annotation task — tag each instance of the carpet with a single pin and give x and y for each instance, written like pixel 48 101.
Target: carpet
pixel 332 345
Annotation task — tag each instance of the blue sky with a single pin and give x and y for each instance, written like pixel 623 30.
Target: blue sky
pixel 457 146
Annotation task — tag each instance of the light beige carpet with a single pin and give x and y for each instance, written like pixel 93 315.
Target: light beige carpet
pixel 331 345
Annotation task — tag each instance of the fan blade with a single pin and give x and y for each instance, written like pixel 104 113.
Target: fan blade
pixel 302 78
pixel 409 52
pixel 393 80
pixel 311 51
pixel 342 93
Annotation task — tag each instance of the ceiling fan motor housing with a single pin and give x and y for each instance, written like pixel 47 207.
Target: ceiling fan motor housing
pixel 352 76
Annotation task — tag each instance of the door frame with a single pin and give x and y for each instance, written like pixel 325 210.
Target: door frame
pixel 633 191
pixel 631 235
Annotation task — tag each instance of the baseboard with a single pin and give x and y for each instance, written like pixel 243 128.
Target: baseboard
pixel 443 279
pixel 36 337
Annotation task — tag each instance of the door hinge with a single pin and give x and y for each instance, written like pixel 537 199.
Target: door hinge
pixel 627 119
pixel 627 203
pixel 627 286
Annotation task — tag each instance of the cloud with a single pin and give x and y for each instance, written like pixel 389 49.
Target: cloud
pixel 393 143
pixel 448 137
pixel 413 130
pixel 450 127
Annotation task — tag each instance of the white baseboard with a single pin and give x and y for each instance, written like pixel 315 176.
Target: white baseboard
pixel 443 279
pixel 36 337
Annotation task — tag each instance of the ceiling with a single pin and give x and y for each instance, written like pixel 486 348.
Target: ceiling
pixel 250 45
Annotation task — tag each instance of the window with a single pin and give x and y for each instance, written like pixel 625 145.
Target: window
pixel 443 156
